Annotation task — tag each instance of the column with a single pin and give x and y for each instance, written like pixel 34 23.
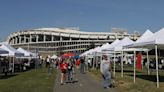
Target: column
pixel 61 38
pixel 116 36
pixel 13 40
pixel 16 40
pixel 52 38
pixel 44 38
pixel 20 39
pixel 70 37
pixel 30 40
pixel 37 38
pixel 24 38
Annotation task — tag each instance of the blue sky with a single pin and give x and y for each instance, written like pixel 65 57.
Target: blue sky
pixel 88 15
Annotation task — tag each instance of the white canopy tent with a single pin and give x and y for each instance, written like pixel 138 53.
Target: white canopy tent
pixel 109 49
pixel 126 42
pixel 156 41
pixel 54 56
pixel 119 48
pixel 145 35
pixel 12 53
pixel 2 51
pixel 26 53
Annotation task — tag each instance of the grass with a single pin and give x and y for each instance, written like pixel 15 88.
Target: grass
pixel 144 82
pixel 36 80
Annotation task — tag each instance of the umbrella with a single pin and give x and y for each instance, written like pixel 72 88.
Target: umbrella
pixel 76 56
pixel 68 55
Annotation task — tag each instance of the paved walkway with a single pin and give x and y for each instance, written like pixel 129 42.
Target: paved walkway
pixel 86 83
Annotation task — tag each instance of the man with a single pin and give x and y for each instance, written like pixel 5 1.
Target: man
pixel 105 69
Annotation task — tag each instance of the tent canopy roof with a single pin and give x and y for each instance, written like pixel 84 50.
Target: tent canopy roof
pixel 11 50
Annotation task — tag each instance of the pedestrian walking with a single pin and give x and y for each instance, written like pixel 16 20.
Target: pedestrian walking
pixel 89 64
pixel 105 69
pixel 63 68
pixel 82 64
pixel 70 71
pixel 77 63
pixel 47 61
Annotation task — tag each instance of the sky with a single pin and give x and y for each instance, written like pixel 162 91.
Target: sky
pixel 87 15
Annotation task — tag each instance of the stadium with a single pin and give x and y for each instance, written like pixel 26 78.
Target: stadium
pixel 60 40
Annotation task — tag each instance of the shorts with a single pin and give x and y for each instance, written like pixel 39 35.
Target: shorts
pixel 63 70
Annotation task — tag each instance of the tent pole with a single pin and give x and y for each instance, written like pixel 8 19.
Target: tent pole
pixel 94 59
pixel 122 64
pixel 13 65
pixel 114 70
pixel 148 63
pixel 156 56
pixel 134 66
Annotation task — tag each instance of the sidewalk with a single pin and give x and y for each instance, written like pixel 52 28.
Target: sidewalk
pixel 85 83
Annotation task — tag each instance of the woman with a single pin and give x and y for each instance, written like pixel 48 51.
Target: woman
pixel 63 68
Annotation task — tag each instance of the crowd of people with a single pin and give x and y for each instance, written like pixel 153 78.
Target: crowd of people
pixel 68 68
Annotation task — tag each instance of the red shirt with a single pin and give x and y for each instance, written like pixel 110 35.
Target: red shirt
pixel 63 66
pixel 78 62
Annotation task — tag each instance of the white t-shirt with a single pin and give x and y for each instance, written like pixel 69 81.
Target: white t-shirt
pixel 104 66
pixel 89 61
pixel 48 60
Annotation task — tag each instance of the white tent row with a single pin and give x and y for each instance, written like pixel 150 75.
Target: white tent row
pixel 112 45
pixel 2 51
pixel 145 35
pixel 12 52
pixel 120 48
pixel 25 52
pixel 156 41
pixel 99 49
pixel 117 47
pixel 148 40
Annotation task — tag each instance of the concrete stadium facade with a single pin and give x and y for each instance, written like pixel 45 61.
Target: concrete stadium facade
pixel 62 39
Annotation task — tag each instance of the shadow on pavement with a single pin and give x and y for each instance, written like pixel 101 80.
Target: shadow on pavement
pixel 75 81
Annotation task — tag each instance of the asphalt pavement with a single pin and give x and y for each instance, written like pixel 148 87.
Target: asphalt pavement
pixel 84 83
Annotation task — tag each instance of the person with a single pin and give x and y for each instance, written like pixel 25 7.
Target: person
pixel 89 64
pixel 47 61
pixel 82 64
pixel 77 63
pixel 70 71
pixel 63 68
pixel 50 67
pixel 105 69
